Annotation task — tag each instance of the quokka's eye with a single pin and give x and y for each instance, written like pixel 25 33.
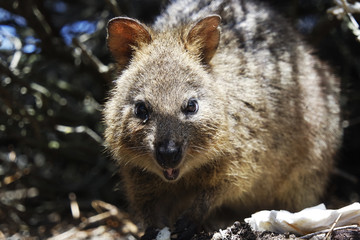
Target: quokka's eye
pixel 191 107
pixel 141 111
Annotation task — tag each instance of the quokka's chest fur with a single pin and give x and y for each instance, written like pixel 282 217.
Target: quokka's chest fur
pixel 219 103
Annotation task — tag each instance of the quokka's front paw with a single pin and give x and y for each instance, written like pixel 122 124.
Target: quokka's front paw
pixel 185 229
pixel 150 233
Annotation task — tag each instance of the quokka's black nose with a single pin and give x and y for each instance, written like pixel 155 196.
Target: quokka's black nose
pixel 168 154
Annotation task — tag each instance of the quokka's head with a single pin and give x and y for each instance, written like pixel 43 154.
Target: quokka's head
pixel 165 112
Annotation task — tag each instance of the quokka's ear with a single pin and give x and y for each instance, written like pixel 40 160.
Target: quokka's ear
pixel 123 35
pixel 204 37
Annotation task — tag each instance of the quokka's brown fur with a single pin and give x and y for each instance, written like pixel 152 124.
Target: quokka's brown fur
pixel 213 113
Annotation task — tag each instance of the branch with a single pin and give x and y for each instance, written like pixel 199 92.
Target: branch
pixel 343 8
pixel 114 7
pixel 102 69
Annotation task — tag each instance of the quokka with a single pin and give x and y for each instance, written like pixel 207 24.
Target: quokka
pixel 219 106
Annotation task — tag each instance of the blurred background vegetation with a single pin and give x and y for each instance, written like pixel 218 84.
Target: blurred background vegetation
pixel 55 71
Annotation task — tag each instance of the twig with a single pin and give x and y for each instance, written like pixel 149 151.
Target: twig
pixel 17 46
pixel 327 237
pixel 352 19
pixel 65 235
pixel 114 7
pixel 128 226
pixel 19 174
pixel 342 8
pixel 13 74
pixel 102 69
pixel 112 211
pixel 74 206
pixel 94 219
pixel 310 235
pixel 90 56
pixel 350 8
pixel 80 129
pixel 41 18
pixel 339 10
pixel 345 175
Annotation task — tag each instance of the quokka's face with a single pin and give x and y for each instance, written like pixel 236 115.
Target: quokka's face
pixel 165 118
pixel 163 115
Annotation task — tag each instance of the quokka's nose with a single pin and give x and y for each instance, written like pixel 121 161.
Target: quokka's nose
pixel 168 154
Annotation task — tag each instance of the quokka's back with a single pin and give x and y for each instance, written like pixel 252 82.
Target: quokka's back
pixel 219 105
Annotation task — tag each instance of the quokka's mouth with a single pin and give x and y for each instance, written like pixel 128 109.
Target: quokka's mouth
pixel 171 173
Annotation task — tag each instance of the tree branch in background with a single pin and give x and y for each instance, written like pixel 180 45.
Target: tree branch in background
pixel 102 69
pixel 343 8
pixel 114 7
pixel 52 45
